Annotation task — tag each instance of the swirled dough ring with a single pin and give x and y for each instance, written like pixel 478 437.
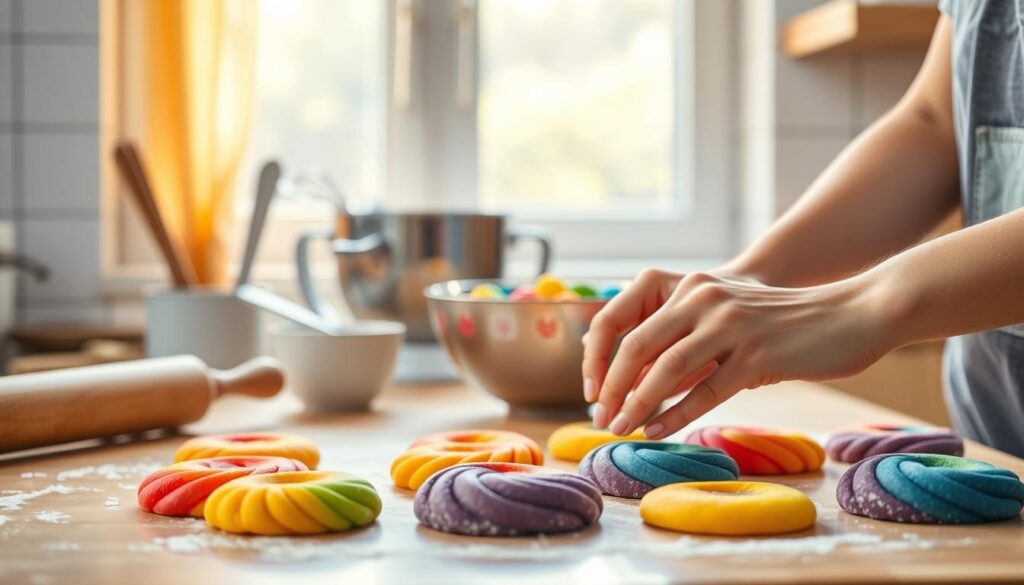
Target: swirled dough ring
pixel 242 444
pixel 573 441
pixel 442 450
pixel 182 488
pixel 734 508
pixel 294 502
pixel 630 469
pixel 930 489
pixel 852 445
pixel 506 499
pixel 763 451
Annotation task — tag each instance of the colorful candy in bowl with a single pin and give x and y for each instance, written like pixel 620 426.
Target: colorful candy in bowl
pixel 519 341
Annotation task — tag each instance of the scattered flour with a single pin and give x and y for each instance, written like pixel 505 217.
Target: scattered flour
pixel 53 517
pixel 62 546
pixel 111 471
pixel 17 498
pixel 297 549
pixel 112 501
pixel 4 519
pixel 32 474
pixel 127 486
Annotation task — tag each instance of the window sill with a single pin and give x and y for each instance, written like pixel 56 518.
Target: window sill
pixel 130 281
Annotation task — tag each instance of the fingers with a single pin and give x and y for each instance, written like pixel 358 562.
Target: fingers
pixel 723 384
pixel 684 364
pixel 622 313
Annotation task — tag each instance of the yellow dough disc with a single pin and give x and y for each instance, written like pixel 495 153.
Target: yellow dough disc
pixel 735 508
pixel 573 441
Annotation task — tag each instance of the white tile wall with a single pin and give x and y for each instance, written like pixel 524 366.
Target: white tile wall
pixel 71 249
pixel 6 167
pixel 6 83
pixel 61 84
pixel 62 172
pixel 5 15
pixel 61 16
pixel 49 152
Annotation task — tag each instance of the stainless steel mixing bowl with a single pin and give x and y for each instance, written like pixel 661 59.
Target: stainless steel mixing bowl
pixel 527 353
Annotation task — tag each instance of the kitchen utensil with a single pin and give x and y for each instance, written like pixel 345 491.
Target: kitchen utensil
pixel 100 401
pixel 386 259
pixel 130 162
pixel 9 263
pixel 527 353
pixel 282 307
pixel 210 323
pixel 340 372
pixel 269 175
pixel 259 297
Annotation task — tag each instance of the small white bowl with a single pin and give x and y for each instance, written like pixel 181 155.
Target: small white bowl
pixel 342 372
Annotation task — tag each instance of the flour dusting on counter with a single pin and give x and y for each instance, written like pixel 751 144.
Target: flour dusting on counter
pixel 541 549
pixel 17 498
pixel 111 471
pixel 53 517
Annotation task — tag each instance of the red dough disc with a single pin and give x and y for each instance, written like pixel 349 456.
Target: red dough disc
pixel 182 488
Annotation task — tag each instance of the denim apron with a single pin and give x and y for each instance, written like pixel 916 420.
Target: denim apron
pixel 984 372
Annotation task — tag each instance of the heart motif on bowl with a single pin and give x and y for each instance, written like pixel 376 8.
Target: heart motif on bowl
pixel 547 327
pixel 466 326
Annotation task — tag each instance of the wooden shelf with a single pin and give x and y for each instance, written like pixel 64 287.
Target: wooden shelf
pixel 843 25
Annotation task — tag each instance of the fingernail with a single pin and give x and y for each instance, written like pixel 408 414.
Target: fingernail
pixel 620 426
pixel 600 416
pixel 653 430
pixel 588 390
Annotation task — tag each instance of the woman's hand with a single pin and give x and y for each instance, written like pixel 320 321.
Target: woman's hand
pixel 718 334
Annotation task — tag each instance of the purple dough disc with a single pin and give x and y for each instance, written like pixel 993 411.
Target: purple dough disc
pixel 853 446
pixel 860 493
pixel 506 499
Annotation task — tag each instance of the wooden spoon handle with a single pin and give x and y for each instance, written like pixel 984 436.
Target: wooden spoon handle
pixel 182 272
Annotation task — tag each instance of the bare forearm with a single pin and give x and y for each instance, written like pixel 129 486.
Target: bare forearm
pixel 971 280
pixel 888 189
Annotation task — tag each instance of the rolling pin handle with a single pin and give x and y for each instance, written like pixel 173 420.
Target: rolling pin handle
pixel 261 377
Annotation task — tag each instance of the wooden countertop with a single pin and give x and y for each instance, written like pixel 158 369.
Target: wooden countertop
pixel 72 517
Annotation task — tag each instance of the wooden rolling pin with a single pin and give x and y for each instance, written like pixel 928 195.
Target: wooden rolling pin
pixel 100 401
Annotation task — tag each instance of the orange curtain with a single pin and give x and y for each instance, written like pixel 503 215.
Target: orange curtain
pixel 199 77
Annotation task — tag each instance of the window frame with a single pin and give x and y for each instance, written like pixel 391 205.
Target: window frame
pixel 431 152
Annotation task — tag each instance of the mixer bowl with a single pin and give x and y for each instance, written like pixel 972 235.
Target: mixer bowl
pixel 527 353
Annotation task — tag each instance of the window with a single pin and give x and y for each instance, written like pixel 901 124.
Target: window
pixel 576 108
pixel 581 116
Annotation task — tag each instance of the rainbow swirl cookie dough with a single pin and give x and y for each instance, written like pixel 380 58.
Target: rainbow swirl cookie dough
pixel 573 441
pixel 630 469
pixel 438 451
pixel 850 446
pixel 763 451
pixel 930 489
pixel 246 444
pixel 734 508
pixel 294 502
pixel 506 499
pixel 182 489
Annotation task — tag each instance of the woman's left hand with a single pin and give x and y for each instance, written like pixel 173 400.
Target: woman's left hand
pixel 719 334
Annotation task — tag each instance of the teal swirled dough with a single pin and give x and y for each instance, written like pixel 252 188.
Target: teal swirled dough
pixel 630 469
pixel 930 489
